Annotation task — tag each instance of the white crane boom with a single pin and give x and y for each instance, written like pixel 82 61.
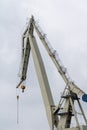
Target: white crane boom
pixel 59 116
pixel 43 81
pixel 56 60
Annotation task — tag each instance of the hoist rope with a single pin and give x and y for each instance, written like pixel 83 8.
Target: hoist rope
pixel 17 96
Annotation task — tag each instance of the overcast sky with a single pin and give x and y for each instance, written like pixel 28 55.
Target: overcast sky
pixel 65 23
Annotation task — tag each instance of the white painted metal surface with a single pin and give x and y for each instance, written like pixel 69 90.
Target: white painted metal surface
pixel 59 116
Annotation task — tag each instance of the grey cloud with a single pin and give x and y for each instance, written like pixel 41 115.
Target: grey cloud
pixel 65 23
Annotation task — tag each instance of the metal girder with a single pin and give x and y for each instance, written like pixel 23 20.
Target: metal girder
pixel 43 82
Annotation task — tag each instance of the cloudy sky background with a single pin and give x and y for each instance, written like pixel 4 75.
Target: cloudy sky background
pixel 65 23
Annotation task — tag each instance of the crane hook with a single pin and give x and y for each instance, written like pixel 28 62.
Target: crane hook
pixel 23 87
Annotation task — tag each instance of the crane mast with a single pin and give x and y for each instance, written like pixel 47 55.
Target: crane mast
pixel 59 116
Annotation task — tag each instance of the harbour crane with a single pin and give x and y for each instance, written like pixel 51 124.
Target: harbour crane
pixel 59 116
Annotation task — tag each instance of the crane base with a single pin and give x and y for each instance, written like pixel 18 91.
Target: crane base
pixel 82 127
